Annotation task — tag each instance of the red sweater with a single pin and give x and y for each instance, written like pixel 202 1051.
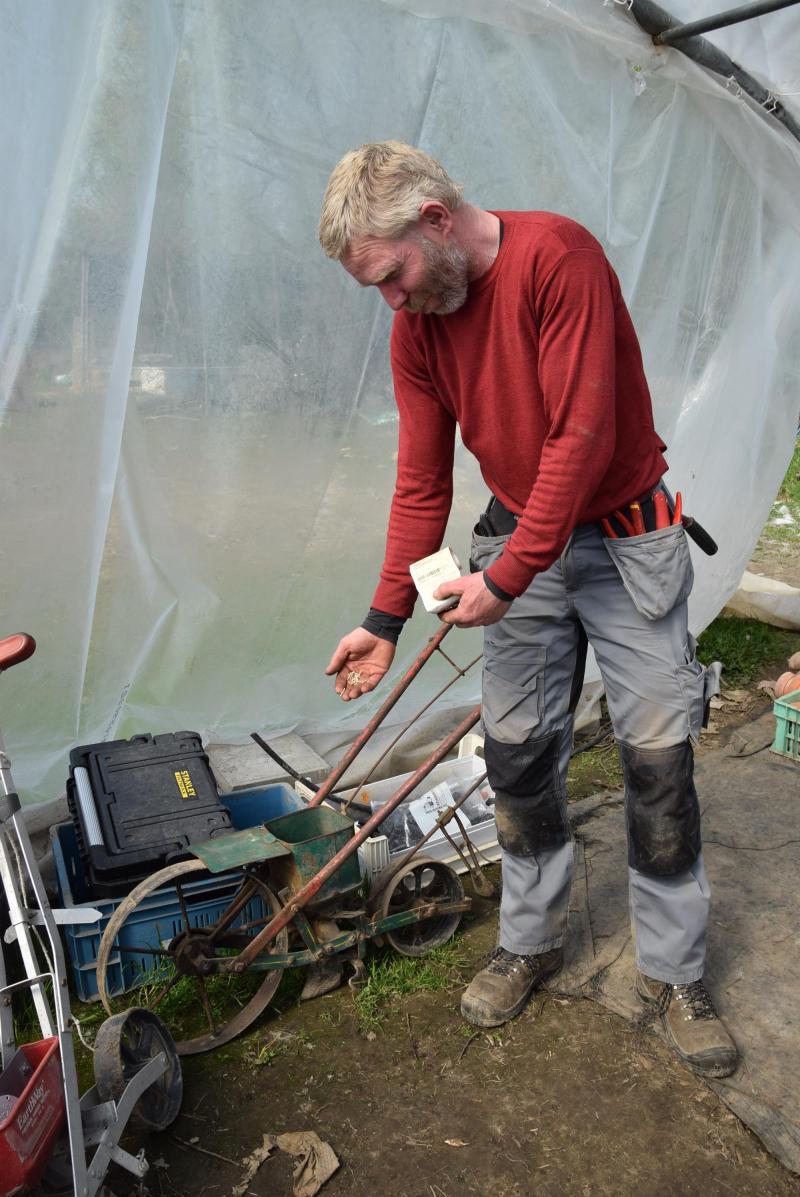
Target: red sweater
pixel 542 372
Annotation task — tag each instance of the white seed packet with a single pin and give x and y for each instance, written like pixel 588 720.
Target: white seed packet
pixel 427 809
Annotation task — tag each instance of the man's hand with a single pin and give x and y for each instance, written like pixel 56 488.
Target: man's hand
pixel 477 606
pixel 360 661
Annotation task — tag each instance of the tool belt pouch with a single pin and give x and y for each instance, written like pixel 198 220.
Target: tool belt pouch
pixel 655 568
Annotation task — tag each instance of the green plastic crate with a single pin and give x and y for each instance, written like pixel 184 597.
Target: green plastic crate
pixel 787 729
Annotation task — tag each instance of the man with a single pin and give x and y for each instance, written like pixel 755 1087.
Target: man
pixel 512 326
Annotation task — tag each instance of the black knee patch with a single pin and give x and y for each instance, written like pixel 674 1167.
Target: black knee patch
pixel 662 809
pixel 530 808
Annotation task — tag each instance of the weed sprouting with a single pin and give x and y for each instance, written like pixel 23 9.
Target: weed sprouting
pixel 598 768
pixel 790 487
pixel 743 646
pixel 782 529
pixel 391 976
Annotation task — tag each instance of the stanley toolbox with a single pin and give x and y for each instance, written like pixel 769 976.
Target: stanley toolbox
pixel 137 804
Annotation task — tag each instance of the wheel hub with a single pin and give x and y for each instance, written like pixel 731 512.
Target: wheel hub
pixel 193 953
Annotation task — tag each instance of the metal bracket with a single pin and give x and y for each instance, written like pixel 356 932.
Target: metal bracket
pixel 109 1120
pixel 35 918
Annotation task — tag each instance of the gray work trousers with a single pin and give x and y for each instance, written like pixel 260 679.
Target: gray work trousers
pixel 633 611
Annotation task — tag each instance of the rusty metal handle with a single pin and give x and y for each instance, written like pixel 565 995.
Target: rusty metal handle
pixel 312 887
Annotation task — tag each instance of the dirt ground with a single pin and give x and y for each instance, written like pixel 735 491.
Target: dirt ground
pixel 774 558
pixel 568 1099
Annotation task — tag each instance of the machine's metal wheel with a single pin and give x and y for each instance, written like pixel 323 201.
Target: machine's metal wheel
pixel 124 1044
pixel 202 1010
pixel 421 882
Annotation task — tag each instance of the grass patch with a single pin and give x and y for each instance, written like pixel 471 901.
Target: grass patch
pixel 391 977
pixel 744 646
pixel 25 1019
pixel 181 1008
pixel 787 499
pixel 598 768
pixel 89 1018
pixel 263 1053
pixel 790 487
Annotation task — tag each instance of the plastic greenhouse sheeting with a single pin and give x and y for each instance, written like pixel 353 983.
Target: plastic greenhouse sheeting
pixel 197 422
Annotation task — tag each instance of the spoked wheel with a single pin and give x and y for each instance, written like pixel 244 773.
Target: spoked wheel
pixel 421 882
pixel 124 1044
pixel 173 960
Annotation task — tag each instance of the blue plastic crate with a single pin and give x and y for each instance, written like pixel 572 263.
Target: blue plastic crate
pixel 158 918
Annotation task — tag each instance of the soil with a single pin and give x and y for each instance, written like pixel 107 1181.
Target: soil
pixel 568 1099
pixel 775 558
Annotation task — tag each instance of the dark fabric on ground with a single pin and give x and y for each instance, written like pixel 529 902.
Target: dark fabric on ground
pixel 752 854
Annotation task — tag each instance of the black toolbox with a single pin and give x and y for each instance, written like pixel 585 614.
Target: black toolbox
pixel 138 804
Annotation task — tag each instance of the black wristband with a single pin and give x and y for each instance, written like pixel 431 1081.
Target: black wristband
pixel 382 624
pixel 496 591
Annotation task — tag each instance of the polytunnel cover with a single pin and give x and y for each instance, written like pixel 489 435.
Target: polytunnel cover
pixel 198 429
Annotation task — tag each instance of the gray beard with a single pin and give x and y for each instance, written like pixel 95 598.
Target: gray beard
pixel 448 277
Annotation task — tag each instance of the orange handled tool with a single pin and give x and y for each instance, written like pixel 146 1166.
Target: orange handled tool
pixel 661 509
pixel 637 519
pixel 626 523
pixel 696 531
pixel 677 517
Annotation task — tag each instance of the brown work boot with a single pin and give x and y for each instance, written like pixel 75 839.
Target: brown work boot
pixel 500 990
pixel 694 1029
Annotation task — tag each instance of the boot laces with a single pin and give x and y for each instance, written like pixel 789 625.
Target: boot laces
pixel 696 997
pixel 504 963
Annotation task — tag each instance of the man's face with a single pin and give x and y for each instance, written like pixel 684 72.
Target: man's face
pixel 413 272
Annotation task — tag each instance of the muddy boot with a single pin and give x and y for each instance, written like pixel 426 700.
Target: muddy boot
pixel 693 1027
pixel 322 977
pixel 500 990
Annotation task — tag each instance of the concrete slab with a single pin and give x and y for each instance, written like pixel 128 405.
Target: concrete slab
pixel 240 766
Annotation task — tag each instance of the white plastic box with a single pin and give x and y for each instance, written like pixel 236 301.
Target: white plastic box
pixel 458 774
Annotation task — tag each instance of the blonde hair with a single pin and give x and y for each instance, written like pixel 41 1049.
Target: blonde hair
pixel 378 190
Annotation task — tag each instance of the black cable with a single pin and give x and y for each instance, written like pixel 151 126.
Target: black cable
pixel 359 808
pixel 587 744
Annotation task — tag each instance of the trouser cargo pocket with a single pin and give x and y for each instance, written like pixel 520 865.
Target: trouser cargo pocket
pixel 655 568
pixel 511 709
pixel 699 684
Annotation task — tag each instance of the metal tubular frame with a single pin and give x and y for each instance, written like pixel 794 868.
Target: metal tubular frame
pixel 662 27
pixel 733 16
pixel 351 803
pixel 89 1121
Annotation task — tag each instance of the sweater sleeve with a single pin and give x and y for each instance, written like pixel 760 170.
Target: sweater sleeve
pixel 574 310
pixel 424 487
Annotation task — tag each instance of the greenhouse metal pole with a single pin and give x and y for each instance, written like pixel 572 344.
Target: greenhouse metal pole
pixel 731 17
pixel 659 23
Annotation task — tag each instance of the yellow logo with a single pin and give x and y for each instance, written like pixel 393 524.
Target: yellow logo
pixel 185 786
